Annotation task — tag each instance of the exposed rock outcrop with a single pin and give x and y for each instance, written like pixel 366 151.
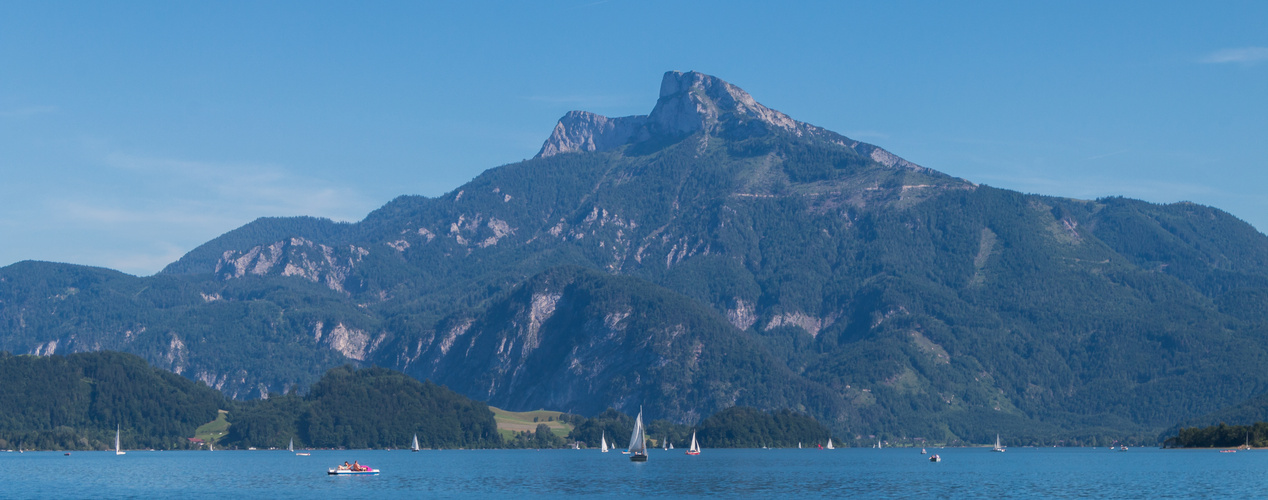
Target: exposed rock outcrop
pixel 695 101
pixel 586 131
pixel 691 102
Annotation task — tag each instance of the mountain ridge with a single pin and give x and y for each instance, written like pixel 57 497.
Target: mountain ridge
pixel 691 102
pixel 873 293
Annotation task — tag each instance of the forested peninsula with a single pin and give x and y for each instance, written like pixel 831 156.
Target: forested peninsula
pixel 1220 436
pixel 77 402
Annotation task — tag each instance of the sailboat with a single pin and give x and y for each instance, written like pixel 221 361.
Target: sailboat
pixel 638 440
pixel 665 445
pixel 603 442
pixel 117 450
pixel 798 445
pixel 830 447
pixel 414 447
pixel 695 446
pixel 210 446
pixel 291 448
pixel 997 446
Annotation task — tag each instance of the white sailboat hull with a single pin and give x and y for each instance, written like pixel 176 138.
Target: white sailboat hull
pixel 638 440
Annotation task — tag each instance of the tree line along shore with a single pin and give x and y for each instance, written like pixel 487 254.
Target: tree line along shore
pixel 76 402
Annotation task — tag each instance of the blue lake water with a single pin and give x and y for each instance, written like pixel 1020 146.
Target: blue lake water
pixel 809 473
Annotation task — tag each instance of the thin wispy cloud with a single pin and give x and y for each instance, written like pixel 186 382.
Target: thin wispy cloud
pixel 255 189
pixel 143 262
pixel 168 206
pixel 592 4
pixel 27 111
pixel 585 100
pixel 866 134
pixel 1107 155
pixel 1239 55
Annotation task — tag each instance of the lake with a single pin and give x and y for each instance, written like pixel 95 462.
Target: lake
pixel 808 473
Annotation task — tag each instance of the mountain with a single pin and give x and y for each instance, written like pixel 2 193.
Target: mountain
pixel 714 253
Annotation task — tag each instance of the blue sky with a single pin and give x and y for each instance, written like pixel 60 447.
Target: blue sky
pixel 131 132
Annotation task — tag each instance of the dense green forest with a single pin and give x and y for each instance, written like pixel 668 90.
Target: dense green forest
pixel 73 402
pixel 734 427
pixel 366 408
pixel 76 402
pixel 742 427
pixel 540 438
pixel 1246 413
pixel 1220 436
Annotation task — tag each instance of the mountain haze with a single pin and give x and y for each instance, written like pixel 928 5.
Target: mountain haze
pixel 713 253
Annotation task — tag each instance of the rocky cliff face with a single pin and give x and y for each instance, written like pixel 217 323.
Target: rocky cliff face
pixel 691 102
pixel 585 131
pixel 299 257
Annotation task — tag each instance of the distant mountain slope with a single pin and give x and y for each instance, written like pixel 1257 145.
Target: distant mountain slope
pixel 244 336
pixel 582 341
pixel 811 270
pixel 1249 412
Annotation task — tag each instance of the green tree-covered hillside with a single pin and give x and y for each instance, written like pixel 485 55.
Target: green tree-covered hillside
pixel 367 408
pixel 77 402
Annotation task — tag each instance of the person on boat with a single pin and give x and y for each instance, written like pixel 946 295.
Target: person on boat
pixel 345 465
pixel 356 466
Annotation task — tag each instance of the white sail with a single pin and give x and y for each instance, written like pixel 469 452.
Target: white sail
pixel 638 444
pixel 415 445
pixel 291 447
pixel 117 450
pixel 798 445
pixel 695 446
pixel 830 447
pixel 603 442
pixel 997 446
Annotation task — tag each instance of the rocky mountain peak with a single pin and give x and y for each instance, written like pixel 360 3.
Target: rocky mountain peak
pixel 693 101
pixel 586 131
pixel 690 102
